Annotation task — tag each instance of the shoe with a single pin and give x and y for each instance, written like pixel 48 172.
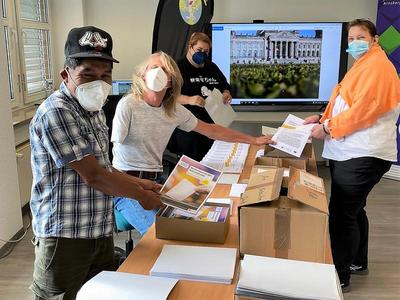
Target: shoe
pixel 345 286
pixel 359 270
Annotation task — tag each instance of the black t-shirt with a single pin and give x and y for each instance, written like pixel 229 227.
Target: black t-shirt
pixel 196 81
pixel 201 81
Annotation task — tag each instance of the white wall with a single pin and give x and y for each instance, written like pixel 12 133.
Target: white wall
pixel 293 10
pixel 65 15
pixel 10 206
pixel 130 22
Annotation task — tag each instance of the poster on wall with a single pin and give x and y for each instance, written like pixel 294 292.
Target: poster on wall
pixel 176 20
pixel 388 27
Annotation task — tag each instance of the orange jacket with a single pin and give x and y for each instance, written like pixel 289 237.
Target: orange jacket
pixel 370 88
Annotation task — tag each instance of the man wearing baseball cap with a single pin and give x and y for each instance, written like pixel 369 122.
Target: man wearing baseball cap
pixel 73 180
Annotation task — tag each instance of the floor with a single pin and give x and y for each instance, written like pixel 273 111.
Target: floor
pixel 383 282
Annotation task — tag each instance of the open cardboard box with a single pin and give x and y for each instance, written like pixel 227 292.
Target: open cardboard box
pixel 284 162
pixel 307 157
pixel 286 226
pixel 192 230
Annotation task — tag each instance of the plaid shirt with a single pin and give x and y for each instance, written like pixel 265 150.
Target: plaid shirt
pixel 62 204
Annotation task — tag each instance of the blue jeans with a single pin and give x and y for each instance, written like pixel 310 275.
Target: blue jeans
pixel 135 214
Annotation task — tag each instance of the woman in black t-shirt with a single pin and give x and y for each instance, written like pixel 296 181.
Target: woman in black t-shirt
pixel 200 77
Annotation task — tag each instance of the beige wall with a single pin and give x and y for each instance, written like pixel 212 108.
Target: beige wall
pixel 64 16
pixel 293 10
pixel 131 22
pixel 10 206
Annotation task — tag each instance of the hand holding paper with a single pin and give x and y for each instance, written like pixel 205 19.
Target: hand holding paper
pixel 292 136
pixel 220 113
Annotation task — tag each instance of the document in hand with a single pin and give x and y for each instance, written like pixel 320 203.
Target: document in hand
pixel 210 264
pixel 189 185
pixel 275 278
pixel 220 113
pixel 121 286
pixel 292 136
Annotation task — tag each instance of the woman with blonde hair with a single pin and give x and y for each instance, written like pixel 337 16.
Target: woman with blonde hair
pixel 143 123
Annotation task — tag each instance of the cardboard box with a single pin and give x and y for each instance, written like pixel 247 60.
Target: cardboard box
pixel 285 163
pixel 293 226
pixel 191 230
pixel 272 152
pixel 307 156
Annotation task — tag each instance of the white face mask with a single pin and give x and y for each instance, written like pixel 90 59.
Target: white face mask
pixel 156 79
pixel 92 95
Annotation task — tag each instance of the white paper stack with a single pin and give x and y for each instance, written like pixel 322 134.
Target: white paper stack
pixel 221 202
pixel 275 278
pixel 209 264
pixel 123 286
pixel 227 157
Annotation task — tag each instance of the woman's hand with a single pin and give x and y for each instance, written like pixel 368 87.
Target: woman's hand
pixel 226 97
pixel 312 119
pixel 318 132
pixel 197 100
pixel 263 140
pixel 192 100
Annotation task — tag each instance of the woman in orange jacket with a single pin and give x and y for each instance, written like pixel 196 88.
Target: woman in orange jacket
pixel 359 130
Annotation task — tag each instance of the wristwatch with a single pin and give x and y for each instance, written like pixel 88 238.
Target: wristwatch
pixel 325 126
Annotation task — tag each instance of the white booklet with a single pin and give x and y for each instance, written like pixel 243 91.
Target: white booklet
pixel 222 114
pixel 292 136
pixel 121 286
pixel 189 185
pixel 275 278
pixel 210 264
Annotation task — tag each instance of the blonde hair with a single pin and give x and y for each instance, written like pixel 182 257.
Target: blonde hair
pixel 171 68
pixel 198 36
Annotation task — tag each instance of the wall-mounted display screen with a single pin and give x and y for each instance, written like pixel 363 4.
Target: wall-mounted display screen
pixel 280 63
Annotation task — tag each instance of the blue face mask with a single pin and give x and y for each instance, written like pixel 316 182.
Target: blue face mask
pixel 199 57
pixel 357 48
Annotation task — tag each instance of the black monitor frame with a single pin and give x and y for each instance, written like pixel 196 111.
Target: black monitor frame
pixel 293 105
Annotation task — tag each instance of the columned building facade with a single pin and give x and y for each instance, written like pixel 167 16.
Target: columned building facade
pixel 273 47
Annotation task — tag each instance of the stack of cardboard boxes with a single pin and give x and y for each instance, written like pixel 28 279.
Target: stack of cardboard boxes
pixel 283 212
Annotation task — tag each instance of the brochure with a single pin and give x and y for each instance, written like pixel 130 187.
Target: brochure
pixel 189 185
pixel 292 136
pixel 205 214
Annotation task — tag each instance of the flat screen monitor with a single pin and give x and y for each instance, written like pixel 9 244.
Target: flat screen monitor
pixel 121 87
pixel 280 64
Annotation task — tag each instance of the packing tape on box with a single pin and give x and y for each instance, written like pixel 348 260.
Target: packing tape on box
pixel 257 186
pixel 282 232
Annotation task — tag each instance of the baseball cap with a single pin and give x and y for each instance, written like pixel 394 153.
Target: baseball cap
pixel 89 42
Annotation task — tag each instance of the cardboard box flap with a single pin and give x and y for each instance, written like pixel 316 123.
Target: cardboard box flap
pixel 281 162
pixel 264 185
pixel 308 189
pixel 272 152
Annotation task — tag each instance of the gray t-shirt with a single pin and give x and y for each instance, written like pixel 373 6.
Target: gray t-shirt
pixel 141 132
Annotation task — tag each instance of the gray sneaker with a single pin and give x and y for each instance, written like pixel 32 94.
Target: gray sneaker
pixel 358 270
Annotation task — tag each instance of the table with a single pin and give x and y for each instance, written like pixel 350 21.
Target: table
pixel 143 256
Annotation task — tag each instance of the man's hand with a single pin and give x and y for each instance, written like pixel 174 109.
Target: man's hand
pixel 226 97
pixel 263 140
pixel 318 132
pixel 150 185
pixel 149 200
pixel 311 119
pixel 197 100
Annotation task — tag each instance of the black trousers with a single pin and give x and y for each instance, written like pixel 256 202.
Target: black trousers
pixel 352 181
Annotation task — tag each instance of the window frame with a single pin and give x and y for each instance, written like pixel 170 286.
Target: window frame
pixel 16 25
